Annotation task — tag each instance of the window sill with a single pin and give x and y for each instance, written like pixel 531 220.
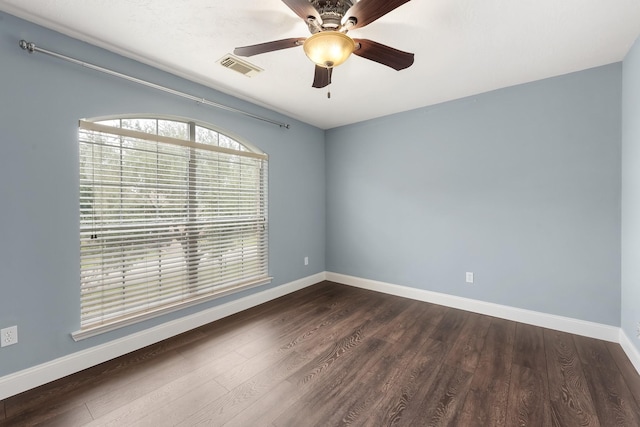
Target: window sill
pixel 95 330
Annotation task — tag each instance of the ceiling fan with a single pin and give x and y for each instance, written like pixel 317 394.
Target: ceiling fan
pixel 329 45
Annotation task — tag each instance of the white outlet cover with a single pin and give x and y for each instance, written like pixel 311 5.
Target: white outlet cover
pixel 8 336
pixel 469 277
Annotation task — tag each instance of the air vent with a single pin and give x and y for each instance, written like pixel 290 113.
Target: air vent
pixel 236 64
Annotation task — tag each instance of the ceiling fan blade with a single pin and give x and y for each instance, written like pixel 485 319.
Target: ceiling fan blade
pixel 268 47
pixel 367 11
pixel 303 9
pixel 322 77
pixel 385 55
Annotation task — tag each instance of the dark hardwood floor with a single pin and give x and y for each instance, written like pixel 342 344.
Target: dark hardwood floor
pixel 333 355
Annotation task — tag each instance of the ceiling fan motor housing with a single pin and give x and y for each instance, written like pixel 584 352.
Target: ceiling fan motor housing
pixel 331 12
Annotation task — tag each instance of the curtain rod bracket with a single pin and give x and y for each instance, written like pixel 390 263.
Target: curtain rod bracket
pixel 31 48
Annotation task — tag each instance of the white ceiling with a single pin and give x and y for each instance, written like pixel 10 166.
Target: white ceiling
pixel 462 47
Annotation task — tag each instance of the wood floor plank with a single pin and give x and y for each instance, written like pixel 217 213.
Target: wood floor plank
pixel 569 395
pixel 266 409
pixel 68 417
pixel 407 386
pixel 450 326
pixel 368 324
pixel 162 372
pixel 414 333
pixel 528 398
pixel 331 377
pixel 628 372
pixel 265 332
pixel 416 322
pixel 444 399
pixel 303 370
pixel 301 339
pixel 180 408
pixel 593 352
pixel 201 352
pixel 291 329
pixel 357 400
pixel 248 368
pixel 279 305
pixel 323 362
pixel 228 406
pixel 149 392
pixel 155 402
pixel 393 331
pixel 245 395
pixel 75 417
pixel 488 397
pixel 337 355
pixel 529 387
pixel 323 397
pixel 275 311
pixel 98 380
pixel 529 348
pixel 614 403
pixel 465 351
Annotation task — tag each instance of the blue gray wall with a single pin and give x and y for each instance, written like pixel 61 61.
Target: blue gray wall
pixel 520 186
pixel 41 100
pixel 631 194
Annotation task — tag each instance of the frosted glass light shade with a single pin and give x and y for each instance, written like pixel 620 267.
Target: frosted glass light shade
pixel 328 48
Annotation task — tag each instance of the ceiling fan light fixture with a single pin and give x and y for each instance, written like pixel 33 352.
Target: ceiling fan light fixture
pixel 329 48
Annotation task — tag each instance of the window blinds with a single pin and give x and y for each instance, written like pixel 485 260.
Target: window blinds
pixel 165 223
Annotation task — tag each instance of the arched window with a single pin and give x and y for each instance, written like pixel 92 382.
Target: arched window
pixel 172 213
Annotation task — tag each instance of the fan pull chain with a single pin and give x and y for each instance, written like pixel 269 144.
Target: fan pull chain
pixel 329 85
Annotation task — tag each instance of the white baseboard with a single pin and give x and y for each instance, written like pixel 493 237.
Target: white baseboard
pixel 551 321
pixel 27 379
pixel 18 382
pixel 632 352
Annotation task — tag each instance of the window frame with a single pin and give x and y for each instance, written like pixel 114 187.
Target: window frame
pixel 247 150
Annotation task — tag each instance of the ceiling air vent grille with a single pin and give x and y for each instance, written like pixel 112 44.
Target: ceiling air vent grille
pixel 236 64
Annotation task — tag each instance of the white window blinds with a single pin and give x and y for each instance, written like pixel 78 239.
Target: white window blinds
pixel 166 222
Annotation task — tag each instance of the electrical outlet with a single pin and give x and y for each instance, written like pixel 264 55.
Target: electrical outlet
pixel 469 277
pixel 8 336
pixel 638 330
pixel 306 260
